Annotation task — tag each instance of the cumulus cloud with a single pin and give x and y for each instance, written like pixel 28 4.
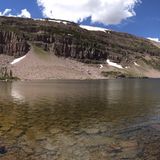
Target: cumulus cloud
pixel 154 39
pixel 103 11
pixel 5 12
pixel 24 13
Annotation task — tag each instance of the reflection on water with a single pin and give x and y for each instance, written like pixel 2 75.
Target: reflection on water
pixel 16 95
pixel 76 119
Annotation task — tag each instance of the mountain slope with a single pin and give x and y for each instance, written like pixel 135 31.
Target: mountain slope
pixel 39 64
pixel 137 56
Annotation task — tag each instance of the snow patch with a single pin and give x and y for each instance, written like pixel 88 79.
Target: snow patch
pixel 101 66
pixel 91 28
pixel 51 20
pixel 17 60
pixel 127 67
pixel 37 19
pixel 154 39
pixel 114 64
pixel 136 64
pixel 57 21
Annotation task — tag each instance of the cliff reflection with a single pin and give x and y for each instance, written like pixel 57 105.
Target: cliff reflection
pixel 84 101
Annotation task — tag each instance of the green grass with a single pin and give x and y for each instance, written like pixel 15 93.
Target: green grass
pixel 6 74
pixel 155 63
pixel 9 78
pixel 111 73
pixel 117 74
pixel 40 52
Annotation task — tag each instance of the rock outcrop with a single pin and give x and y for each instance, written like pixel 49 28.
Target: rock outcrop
pixel 12 44
pixel 69 46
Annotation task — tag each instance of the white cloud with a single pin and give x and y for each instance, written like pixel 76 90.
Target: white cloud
pixel 5 12
pixel 103 11
pixel 24 13
pixel 154 39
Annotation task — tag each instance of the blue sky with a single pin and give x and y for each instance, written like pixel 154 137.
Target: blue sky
pixel 146 22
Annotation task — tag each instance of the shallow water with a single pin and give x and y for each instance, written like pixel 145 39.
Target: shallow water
pixel 80 120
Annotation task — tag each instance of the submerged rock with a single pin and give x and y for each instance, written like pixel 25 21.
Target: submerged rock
pixel 3 150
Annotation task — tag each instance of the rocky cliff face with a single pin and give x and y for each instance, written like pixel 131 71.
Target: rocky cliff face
pixel 12 44
pixel 69 40
pixel 69 46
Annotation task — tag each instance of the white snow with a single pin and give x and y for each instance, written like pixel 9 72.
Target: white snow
pixel 37 19
pixel 91 28
pixel 127 67
pixel 64 22
pixel 57 21
pixel 101 66
pixel 51 20
pixel 17 60
pixel 136 64
pixel 114 64
pixel 154 39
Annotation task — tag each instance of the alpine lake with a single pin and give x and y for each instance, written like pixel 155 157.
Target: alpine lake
pixel 80 120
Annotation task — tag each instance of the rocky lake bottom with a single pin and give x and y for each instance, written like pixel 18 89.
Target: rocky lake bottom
pixel 80 120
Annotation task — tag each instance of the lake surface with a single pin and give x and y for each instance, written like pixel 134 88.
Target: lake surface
pixel 80 120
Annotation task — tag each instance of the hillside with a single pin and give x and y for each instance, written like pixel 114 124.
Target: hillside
pixel 101 52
